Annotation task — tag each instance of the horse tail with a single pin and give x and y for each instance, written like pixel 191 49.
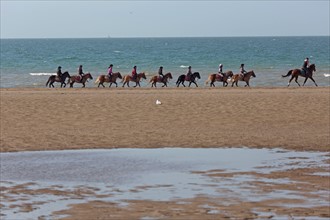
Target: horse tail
pixel 208 80
pixel 288 74
pixel 97 80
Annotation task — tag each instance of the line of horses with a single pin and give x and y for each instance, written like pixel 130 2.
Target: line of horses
pixel 225 78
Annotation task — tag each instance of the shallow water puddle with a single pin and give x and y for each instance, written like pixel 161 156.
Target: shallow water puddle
pixel 35 184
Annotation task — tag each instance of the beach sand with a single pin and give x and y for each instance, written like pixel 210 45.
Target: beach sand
pixel 56 119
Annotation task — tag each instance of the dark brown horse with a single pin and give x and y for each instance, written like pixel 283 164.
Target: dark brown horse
pixel 129 78
pixel 241 77
pixel 191 79
pixel 105 78
pixel 164 80
pixel 55 78
pixel 216 77
pixel 299 72
pixel 78 79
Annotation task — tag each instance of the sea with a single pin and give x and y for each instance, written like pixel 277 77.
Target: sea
pixel 30 62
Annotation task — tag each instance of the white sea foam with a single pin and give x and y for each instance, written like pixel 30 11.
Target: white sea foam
pixel 42 74
pixel 326 74
pixel 183 66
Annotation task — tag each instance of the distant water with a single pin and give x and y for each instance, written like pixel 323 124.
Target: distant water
pixel 29 62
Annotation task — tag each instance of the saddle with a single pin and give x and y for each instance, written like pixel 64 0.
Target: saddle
pixel 218 76
pixel 303 72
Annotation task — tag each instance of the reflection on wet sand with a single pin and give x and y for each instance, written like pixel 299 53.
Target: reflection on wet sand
pixel 212 182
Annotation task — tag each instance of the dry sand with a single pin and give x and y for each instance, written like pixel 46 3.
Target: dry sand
pixel 54 119
pixel 291 118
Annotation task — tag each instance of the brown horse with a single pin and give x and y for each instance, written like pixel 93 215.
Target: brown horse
pixel 55 78
pixel 156 79
pixel 215 77
pixel 299 72
pixel 241 77
pixel 105 78
pixel 78 79
pixel 129 78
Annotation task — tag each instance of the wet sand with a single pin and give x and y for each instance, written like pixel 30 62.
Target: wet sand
pixel 290 118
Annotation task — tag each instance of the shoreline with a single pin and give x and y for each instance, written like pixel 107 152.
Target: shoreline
pixel 259 117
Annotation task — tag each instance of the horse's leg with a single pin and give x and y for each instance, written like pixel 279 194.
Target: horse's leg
pixel 116 84
pixel 313 80
pixel 83 85
pixel 305 80
pixel 195 83
pixel 296 80
pixel 247 84
pixel 110 84
pixel 290 80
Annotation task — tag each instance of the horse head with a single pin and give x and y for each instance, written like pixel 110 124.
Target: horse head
pixel 253 74
pixel 66 74
pixel 119 75
pixel 312 68
pixel 88 76
pixel 142 75
pixel 168 75
pixel 229 73
pixel 196 74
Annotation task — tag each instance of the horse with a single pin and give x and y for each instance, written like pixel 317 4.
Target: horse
pixel 55 78
pixel 241 77
pixel 105 78
pixel 129 78
pixel 164 79
pixel 298 72
pixel 76 79
pixel 191 79
pixel 215 77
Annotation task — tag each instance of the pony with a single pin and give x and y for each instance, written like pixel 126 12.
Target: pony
pixel 105 78
pixel 298 72
pixel 240 77
pixel 55 78
pixel 156 79
pixel 215 77
pixel 191 79
pixel 129 78
pixel 76 79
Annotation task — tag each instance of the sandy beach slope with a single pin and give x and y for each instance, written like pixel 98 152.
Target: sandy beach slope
pixel 55 119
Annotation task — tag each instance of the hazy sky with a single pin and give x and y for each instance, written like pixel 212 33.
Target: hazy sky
pixel 71 19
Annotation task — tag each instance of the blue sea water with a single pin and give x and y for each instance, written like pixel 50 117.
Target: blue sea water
pixel 29 62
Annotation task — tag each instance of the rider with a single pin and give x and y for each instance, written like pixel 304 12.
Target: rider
pixel 134 73
pixel 160 73
pixel 189 73
pixel 110 72
pixel 242 70
pixel 220 70
pixel 80 72
pixel 305 65
pixel 59 72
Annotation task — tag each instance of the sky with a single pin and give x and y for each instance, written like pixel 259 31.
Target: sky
pixel 222 18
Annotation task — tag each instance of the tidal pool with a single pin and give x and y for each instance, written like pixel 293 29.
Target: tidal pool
pixel 78 176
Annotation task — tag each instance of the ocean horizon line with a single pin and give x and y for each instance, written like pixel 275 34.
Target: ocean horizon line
pixel 169 37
